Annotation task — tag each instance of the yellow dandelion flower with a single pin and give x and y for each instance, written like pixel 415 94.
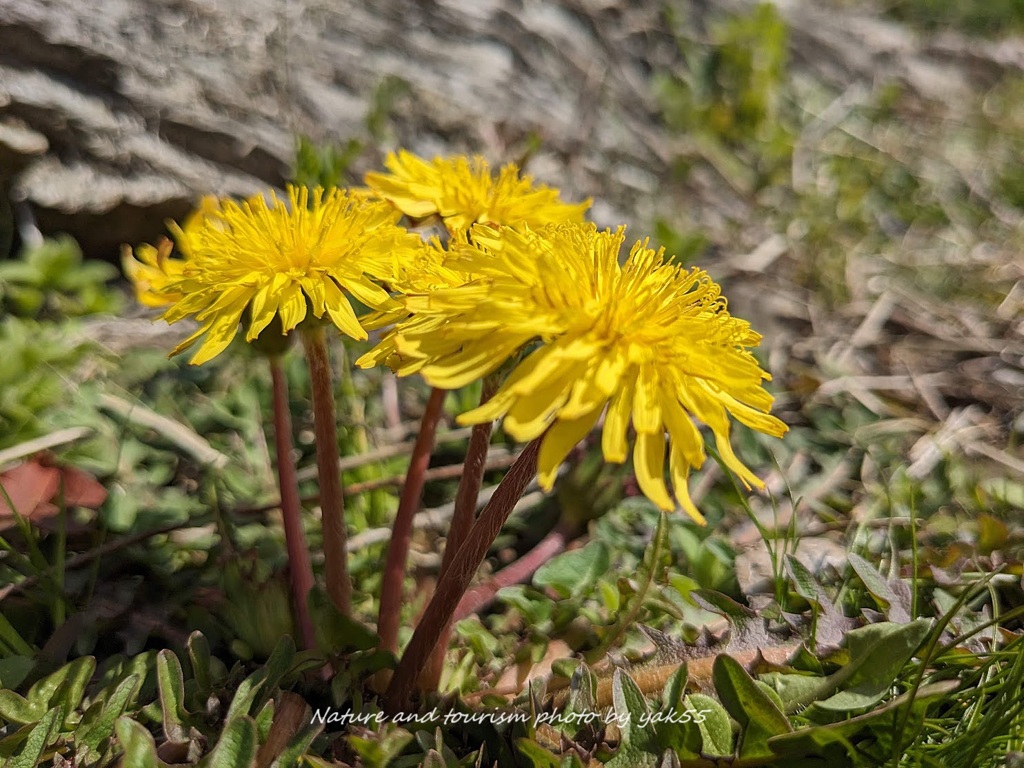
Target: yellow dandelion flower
pixel 650 343
pixel 280 258
pixel 463 192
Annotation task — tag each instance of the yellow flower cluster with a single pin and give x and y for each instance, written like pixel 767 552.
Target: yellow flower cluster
pixel 643 342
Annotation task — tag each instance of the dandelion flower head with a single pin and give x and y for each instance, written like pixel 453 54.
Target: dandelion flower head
pixel 647 341
pixel 282 258
pixel 464 192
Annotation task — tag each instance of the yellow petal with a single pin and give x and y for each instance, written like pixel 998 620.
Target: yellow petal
pixel 616 423
pixel 679 467
pixel 220 332
pixel 531 413
pixel 646 409
pixel 649 465
pixel 560 439
pixel 340 312
pixel 473 362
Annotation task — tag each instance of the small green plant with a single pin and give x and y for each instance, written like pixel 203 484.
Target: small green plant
pixel 212 716
pixel 51 280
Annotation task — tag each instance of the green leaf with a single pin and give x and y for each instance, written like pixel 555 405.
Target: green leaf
pixel 199 657
pixel 757 714
pixel 172 696
pixel 631 709
pixel 93 732
pixel 572 574
pixel 805 584
pixel 632 715
pixel 237 745
pixel 298 746
pixel 379 749
pixel 892 595
pixel 714 724
pixel 246 694
pixel 45 733
pixel 675 690
pixel 137 743
pixel 582 700
pixel 609 595
pixel 71 692
pixel 75 674
pixel 277 666
pixel 678 731
pixel 878 653
pixel 17 709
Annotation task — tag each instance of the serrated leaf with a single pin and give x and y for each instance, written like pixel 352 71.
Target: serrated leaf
pixel 714 724
pixel 574 573
pixel 237 745
pixel 756 713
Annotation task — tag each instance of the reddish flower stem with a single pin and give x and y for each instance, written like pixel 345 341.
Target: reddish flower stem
pixel 300 569
pixel 453 583
pixel 478 598
pixel 462 521
pixel 401 532
pixel 332 502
